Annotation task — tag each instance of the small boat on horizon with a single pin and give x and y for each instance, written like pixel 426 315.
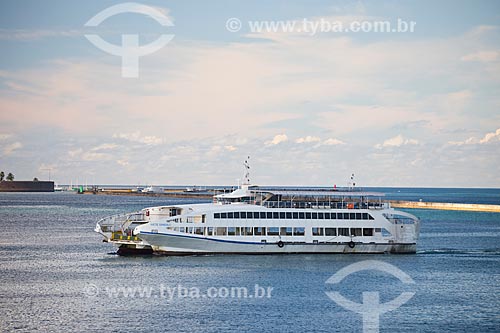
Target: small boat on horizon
pixel 153 189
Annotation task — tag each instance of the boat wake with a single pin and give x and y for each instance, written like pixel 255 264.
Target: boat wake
pixel 461 251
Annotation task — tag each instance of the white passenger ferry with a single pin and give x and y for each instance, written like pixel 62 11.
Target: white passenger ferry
pixel 251 220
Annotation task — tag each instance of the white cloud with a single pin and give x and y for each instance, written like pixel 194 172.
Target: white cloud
pixel 93 156
pixel 27 35
pixel 11 147
pixel 308 139
pixel 487 138
pixel 333 142
pixel 396 141
pixel 279 138
pixel 5 136
pixel 482 56
pixel 149 140
pixel 482 30
pixel 469 141
pixel 75 152
pixel 105 146
pixel 494 136
pixel 47 169
pixel 123 162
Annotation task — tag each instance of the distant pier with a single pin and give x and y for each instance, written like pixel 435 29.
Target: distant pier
pixel 446 206
pixel 167 193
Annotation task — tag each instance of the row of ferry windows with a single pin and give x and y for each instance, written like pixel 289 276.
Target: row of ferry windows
pixel 275 231
pixel 293 215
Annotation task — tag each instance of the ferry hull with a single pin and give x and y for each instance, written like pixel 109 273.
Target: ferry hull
pixel 181 245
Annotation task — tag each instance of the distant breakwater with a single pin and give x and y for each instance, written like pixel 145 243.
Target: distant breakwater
pixel 445 206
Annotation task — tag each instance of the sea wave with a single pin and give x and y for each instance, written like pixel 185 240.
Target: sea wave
pixel 460 234
pixel 495 251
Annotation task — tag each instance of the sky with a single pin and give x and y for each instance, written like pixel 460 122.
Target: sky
pixel 414 108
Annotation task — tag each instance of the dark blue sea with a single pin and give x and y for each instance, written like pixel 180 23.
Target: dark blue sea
pixel 58 276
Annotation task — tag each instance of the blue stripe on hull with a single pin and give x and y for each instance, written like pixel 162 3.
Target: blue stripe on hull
pixel 185 244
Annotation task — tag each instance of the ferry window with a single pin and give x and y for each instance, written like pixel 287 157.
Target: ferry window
pixel 314 216
pixel 333 216
pixel 243 215
pixel 321 216
pixel 223 215
pixel 247 231
pixel 269 215
pixel 302 215
pixel 221 231
pixel 210 231
pixel 231 231
pixel 230 215
pixel 358 216
pixel 257 231
pixel 308 216
pixel 256 215
pixel 286 231
pixel 273 231
pixel 181 229
pixel 276 215
pixel 340 216
pixel 346 216
pixel 288 215
pixel 385 232
pixel 344 232
pixel 330 231
pixel 299 231
pixel 367 232
pixel 198 230
pixel 236 215
pixel 262 215
pixel 377 229
pixel 282 215
pixel 317 231
pixel 295 215
pixel 356 231
pixel 365 216
pixel 370 217
pixel 249 215
pixel 263 231
pixel 217 216
pixel 352 216
pixel 327 216
pixel 189 230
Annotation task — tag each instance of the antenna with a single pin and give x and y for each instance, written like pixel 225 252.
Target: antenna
pixel 246 175
pixel 47 169
pixel 352 183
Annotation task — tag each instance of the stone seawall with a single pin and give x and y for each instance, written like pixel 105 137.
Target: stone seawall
pixel 446 206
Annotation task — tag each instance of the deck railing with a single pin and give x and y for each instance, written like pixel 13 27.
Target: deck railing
pixel 120 222
pixel 324 205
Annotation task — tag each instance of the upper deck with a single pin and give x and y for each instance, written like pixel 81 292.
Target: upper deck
pixel 314 199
